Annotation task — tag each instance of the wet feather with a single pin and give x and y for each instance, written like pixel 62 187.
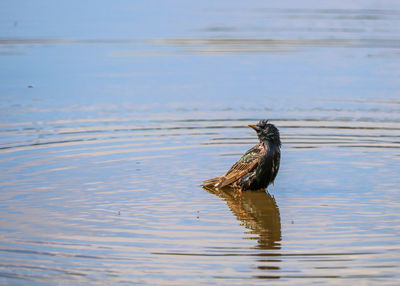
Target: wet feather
pixel 258 167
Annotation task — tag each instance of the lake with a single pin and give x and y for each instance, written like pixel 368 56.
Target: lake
pixel 111 116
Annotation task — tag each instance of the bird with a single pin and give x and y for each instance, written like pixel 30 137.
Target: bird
pixel 258 167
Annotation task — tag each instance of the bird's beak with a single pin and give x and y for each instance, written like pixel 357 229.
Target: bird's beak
pixel 255 127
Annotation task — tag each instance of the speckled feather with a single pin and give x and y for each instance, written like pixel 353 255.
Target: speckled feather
pixel 258 167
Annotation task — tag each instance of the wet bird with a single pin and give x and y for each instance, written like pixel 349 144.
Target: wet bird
pixel 258 167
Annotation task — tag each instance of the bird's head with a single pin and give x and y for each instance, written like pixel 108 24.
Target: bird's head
pixel 267 132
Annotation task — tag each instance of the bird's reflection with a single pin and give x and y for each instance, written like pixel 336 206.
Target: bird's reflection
pixel 258 211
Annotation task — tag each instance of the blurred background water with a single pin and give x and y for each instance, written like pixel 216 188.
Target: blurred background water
pixel 112 114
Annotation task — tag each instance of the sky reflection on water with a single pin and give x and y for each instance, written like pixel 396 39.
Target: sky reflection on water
pixel 112 115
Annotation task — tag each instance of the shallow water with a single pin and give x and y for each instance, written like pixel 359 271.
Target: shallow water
pixel 109 123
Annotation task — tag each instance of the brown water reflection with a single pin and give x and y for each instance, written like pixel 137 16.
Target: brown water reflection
pixel 258 211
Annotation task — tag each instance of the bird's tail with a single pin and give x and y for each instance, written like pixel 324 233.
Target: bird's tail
pixel 212 182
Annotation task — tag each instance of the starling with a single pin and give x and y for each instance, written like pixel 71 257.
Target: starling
pixel 258 167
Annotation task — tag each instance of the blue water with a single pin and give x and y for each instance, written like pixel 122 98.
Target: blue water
pixel 111 116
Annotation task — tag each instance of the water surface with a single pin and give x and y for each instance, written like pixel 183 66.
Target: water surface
pixel 111 117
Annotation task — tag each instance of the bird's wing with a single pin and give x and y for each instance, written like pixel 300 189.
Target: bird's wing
pixel 242 167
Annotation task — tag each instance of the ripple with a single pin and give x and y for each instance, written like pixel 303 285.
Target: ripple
pixel 105 140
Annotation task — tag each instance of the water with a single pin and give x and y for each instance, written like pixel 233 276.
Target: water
pixel 112 116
